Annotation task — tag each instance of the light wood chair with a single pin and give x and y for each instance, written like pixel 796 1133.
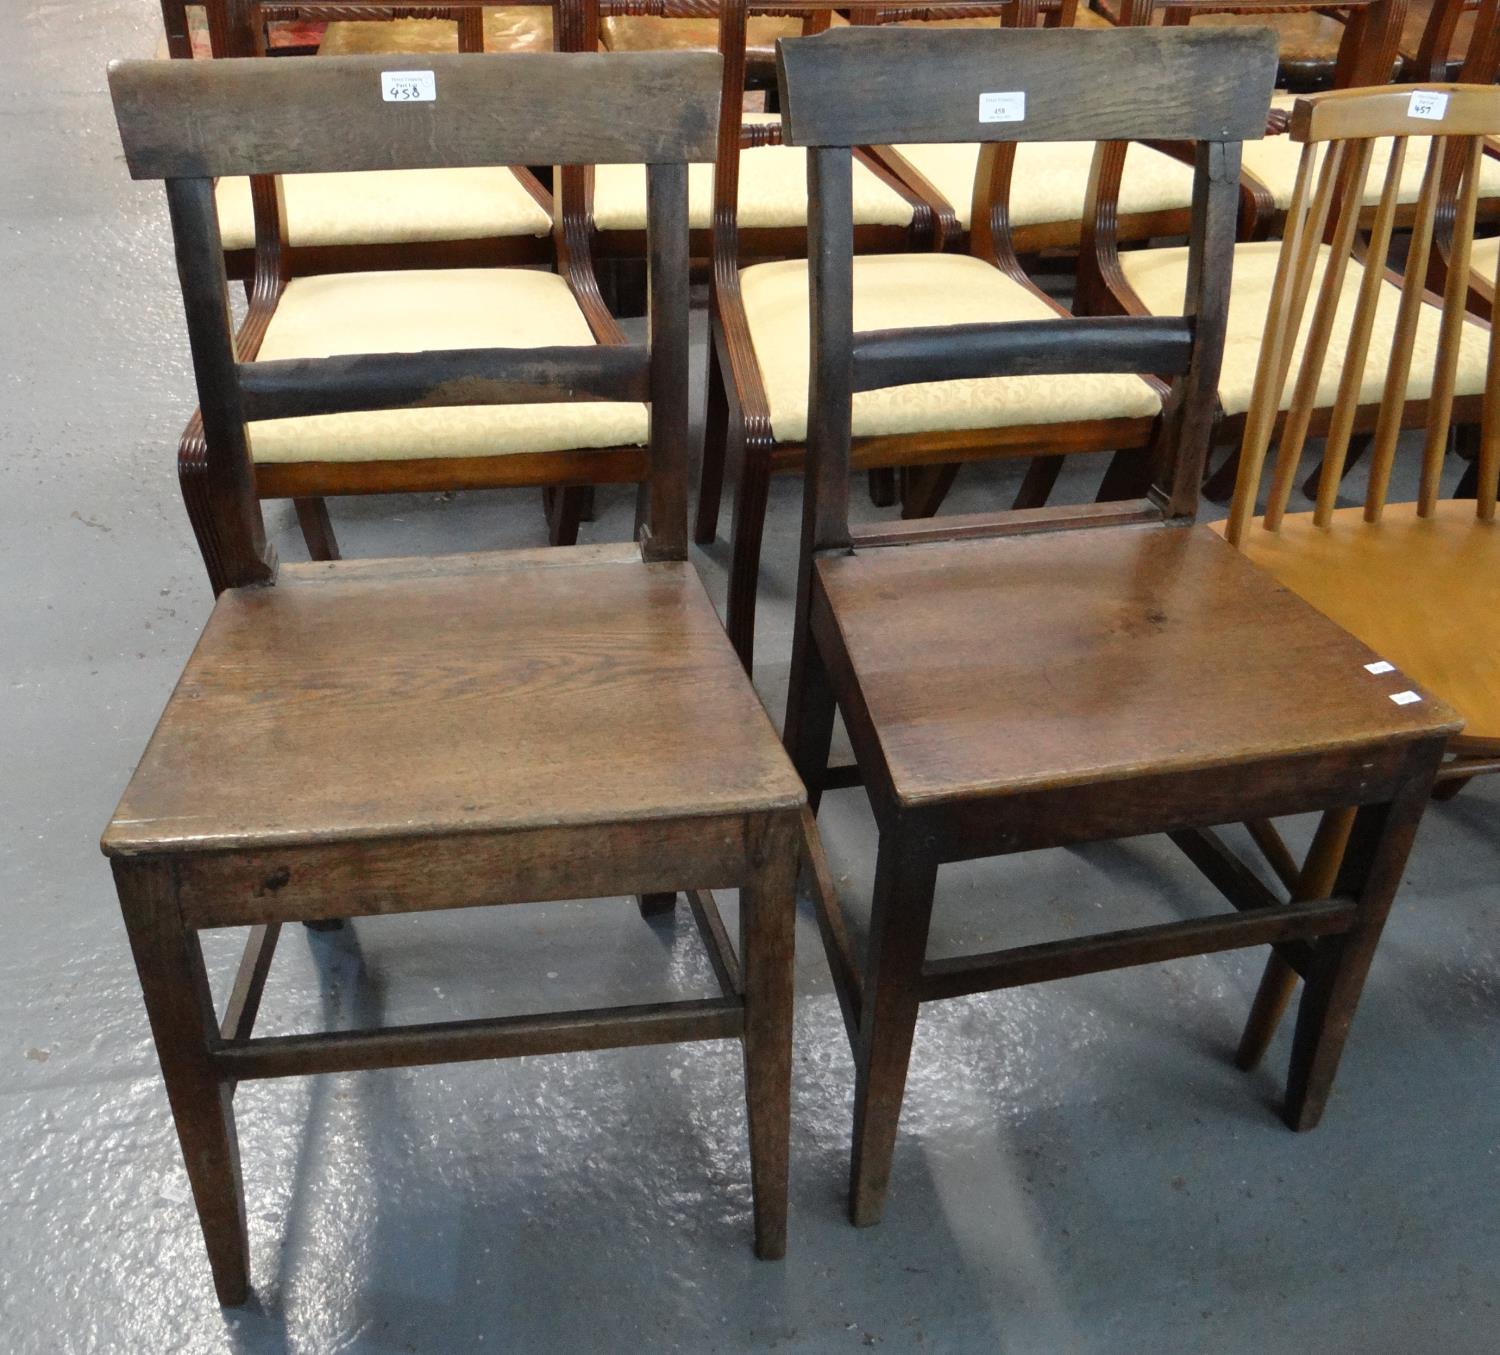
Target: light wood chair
pixel 1415 581
pixel 1150 281
pixel 396 736
pixel 1059 676
pixel 384 219
pixel 472 303
pixel 758 411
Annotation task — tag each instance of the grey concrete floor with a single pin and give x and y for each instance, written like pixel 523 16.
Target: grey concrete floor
pixel 1080 1167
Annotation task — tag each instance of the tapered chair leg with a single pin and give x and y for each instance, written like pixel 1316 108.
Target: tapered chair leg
pixel 317 529
pixel 1036 484
pixel 750 499
pixel 180 1008
pixel 563 505
pixel 1315 881
pixel 655 905
pixel 715 448
pixel 807 730
pixel 923 489
pixel 768 911
pixel 1378 845
pixel 899 919
pixel 881 484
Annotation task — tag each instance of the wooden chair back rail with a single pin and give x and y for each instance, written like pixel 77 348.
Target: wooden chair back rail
pixel 196 120
pixel 1358 120
pixel 298 387
pixel 909 357
pixel 868 88
pixel 1231 76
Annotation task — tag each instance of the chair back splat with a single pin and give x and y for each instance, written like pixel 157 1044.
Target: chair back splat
pixel 1338 133
pixel 876 86
pixel 188 123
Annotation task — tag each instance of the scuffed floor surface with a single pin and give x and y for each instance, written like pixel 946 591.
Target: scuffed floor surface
pixel 1080 1167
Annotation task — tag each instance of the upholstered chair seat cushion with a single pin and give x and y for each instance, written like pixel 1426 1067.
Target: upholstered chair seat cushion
pixel 1274 162
pixel 1486 257
pixel 896 291
pixel 394 206
pixel 422 310
pixel 1159 278
pixel 649 33
pixel 773 191
pixel 1051 179
pixel 507 28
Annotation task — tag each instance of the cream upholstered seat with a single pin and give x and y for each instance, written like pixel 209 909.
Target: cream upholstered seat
pixel 773 191
pixel 652 33
pixel 421 310
pixel 507 28
pixel 1379 582
pixel 1485 259
pixel 393 206
pixel 1159 276
pixel 1051 179
pixel 893 291
pixel 1274 161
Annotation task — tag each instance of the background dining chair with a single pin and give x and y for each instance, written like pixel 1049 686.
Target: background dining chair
pixel 398 736
pixel 1060 676
pixel 758 412
pixel 1414 580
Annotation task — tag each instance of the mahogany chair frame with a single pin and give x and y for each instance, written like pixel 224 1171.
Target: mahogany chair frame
pixel 565 476
pixel 738 428
pixel 1213 89
pixel 1354 119
pixel 214 860
pixel 237 29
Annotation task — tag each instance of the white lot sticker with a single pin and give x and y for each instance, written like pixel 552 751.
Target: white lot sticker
pixel 1380 666
pixel 1405 698
pixel 1429 105
pixel 1006 106
pixel 408 87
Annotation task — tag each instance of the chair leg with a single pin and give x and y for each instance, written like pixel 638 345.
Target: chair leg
pixel 880 481
pixel 655 905
pixel 317 530
pixel 715 445
pixel 750 499
pixel 1357 448
pixel 768 911
pixel 1314 881
pixel 180 1008
pixel 807 730
pixel 1036 485
pixel 1128 475
pixel 563 505
pixel 904 879
pixel 923 489
pixel 1379 843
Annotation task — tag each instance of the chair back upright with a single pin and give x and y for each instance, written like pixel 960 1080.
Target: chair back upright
pixel 1347 124
pixel 863 86
pixel 189 123
pixel 1435 53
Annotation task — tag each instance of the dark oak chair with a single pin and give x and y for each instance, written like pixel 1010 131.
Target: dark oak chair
pixel 1415 581
pixel 758 411
pixel 391 736
pixel 383 219
pixel 1059 676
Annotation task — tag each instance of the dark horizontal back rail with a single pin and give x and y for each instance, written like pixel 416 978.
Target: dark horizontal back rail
pixel 874 85
pixel 296 387
pixel 904 357
pixel 205 119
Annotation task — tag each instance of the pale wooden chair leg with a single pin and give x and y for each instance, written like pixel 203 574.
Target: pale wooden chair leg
pixel 179 1005
pixel 1378 846
pixel 902 910
pixel 768 911
pixel 1315 880
pixel 715 450
pixel 655 905
pixel 317 529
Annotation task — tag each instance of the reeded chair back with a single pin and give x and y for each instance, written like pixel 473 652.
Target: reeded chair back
pixel 189 123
